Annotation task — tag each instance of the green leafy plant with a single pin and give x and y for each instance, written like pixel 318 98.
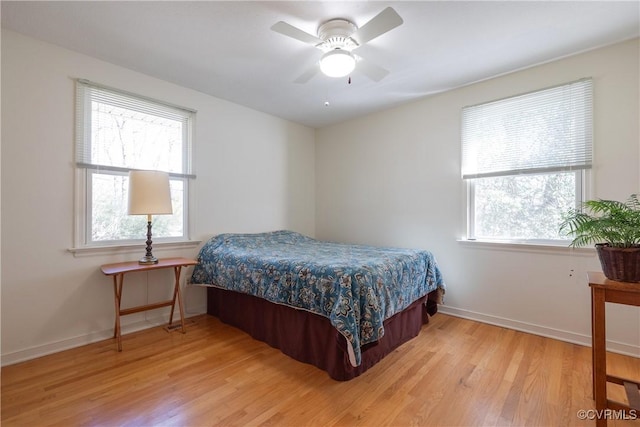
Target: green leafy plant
pixel 604 221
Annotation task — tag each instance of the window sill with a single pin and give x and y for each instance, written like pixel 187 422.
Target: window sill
pixel 527 246
pixel 132 248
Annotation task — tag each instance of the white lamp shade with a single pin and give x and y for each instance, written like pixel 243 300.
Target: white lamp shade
pixel 337 63
pixel 149 193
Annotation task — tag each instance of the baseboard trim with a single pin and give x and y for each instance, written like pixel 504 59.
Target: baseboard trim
pixel 544 331
pixel 571 337
pixel 55 347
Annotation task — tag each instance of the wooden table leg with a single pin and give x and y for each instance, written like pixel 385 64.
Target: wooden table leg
pixel 118 279
pixel 177 296
pixel 593 346
pixel 599 352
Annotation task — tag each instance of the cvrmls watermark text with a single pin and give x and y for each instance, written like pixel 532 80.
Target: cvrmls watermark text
pixel 607 414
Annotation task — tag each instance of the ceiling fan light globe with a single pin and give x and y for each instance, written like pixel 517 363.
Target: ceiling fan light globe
pixel 337 63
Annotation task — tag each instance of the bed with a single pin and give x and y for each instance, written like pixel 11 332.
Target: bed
pixel 339 307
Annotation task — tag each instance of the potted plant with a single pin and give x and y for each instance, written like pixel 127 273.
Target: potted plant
pixel 614 228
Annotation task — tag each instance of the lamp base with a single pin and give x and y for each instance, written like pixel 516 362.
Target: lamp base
pixel 147 260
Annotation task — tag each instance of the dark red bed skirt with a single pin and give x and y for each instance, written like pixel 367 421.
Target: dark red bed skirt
pixel 311 338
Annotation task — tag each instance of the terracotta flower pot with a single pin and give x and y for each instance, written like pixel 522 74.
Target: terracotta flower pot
pixel 621 264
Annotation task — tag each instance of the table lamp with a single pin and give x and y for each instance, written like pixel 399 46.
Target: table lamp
pixel 149 194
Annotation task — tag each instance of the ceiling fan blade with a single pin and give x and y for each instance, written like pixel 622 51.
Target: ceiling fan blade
pixel 385 21
pixel 308 75
pixel 371 70
pixel 296 33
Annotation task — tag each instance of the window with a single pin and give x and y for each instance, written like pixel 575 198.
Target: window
pixel 525 160
pixel 117 132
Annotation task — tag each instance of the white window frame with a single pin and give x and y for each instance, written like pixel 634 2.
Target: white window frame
pixel 583 178
pixel 582 190
pixel 85 171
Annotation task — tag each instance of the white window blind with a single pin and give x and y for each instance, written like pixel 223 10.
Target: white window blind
pixel 539 132
pixel 106 115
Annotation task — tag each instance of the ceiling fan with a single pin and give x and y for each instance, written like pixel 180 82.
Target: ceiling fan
pixel 337 38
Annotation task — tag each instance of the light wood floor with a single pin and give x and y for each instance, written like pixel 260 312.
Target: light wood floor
pixel 456 372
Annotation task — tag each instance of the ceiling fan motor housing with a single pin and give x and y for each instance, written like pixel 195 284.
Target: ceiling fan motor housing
pixel 336 34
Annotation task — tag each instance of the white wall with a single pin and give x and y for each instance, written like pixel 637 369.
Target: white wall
pixel 393 178
pixel 254 173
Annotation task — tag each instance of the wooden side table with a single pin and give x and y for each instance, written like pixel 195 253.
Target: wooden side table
pixel 605 290
pixel 118 270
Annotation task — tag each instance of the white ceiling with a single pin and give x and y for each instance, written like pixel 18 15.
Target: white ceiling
pixel 226 49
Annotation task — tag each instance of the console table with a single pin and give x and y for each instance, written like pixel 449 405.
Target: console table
pixel 605 290
pixel 118 271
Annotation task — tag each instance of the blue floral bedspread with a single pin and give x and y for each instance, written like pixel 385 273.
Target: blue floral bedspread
pixel 356 287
